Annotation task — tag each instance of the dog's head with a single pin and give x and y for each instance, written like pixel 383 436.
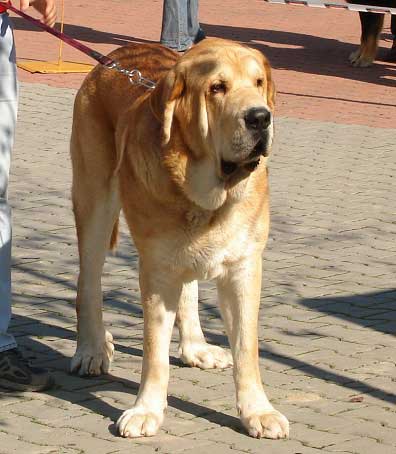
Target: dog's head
pixel 219 97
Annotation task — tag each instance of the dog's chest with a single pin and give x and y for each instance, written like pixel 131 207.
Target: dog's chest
pixel 207 252
pixel 208 260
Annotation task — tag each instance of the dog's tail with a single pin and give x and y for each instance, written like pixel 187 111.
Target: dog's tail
pixel 114 236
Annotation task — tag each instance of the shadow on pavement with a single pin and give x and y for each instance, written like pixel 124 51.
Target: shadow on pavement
pixel 82 33
pixel 306 53
pixel 58 362
pixel 83 393
pixel 355 308
pixel 59 319
pixel 312 370
pixel 286 50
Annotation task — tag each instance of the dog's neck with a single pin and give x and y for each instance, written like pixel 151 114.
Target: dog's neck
pixel 198 177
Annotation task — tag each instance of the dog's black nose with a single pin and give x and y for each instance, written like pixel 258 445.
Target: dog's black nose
pixel 258 118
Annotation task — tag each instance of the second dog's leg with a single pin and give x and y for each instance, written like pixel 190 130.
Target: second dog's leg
pixel 371 28
pixel 193 349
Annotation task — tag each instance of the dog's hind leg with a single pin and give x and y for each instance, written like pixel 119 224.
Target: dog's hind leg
pixel 193 349
pixel 96 209
pixel 371 28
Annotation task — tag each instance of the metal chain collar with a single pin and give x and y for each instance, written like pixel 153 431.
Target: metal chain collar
pixel 134 75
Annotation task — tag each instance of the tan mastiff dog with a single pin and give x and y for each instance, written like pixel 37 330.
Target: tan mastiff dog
pixel 186 162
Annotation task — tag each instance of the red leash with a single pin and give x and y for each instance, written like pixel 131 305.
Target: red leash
pixel 134 75
pixel 102 59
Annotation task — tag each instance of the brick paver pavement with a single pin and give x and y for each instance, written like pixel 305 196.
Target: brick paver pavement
pixel 327 323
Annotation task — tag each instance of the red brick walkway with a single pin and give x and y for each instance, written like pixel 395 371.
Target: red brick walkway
pixel 307 47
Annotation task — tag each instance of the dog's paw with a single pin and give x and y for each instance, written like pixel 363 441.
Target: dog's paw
pixel 205 356
pixel 363 62
pixel 354 55
pixel 269 424
pixel 93 358
pixel 139 422
pixel 359 60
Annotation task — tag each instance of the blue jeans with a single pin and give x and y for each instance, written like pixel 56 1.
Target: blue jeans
pixel 180 26
pixel 8 113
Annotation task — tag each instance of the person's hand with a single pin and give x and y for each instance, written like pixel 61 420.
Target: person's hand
pixel 45 7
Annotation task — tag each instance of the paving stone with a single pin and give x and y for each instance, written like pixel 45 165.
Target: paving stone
pixel 218 448
pixel 45 414
pixel 382 415
pixel 168 443
pixel 362 446
pixel 31 431
pixel 12 444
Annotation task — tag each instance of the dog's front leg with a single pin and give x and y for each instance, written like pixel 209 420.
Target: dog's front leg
pixel 193 349
pixel 96 211
pixel 160 296
pixel 239 296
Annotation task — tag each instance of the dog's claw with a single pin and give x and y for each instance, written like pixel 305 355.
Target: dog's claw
pixel 93 358
pixel 271 424
pixel 139 422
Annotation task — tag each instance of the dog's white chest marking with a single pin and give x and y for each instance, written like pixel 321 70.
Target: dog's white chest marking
pixel 207 256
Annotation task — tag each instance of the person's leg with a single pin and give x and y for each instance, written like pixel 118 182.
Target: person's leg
pixel 8 110
pixel 195 31
pixel 174 33
pixel 180 26
pixel 16 373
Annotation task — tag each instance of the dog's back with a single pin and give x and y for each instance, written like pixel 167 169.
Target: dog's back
pixel 380 3
pixel 97 90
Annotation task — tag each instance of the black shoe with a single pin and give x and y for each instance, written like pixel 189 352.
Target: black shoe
pixel 16 374
pixel 391 54
pixel 200 36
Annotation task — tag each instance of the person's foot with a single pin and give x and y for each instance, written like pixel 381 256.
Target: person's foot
pixel 16 374
pixel 391 54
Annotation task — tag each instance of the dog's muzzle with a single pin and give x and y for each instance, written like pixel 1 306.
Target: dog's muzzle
pixel 258 121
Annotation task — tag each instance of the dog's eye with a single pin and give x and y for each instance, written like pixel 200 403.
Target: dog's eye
pixel 259 82
pixel 218 87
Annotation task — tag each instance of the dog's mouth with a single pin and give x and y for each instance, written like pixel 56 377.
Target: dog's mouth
pixel 260 149
pixel 230 168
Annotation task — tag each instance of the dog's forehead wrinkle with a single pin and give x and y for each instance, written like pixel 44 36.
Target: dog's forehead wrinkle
pixel 253 67
pixel 238 63
pixel 203 67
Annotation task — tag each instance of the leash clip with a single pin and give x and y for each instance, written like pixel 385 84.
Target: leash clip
pixel 134 75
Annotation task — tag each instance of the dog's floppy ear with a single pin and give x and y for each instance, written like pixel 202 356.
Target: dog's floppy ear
pixel 271 92
pixel 163 100
pixel 270 86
